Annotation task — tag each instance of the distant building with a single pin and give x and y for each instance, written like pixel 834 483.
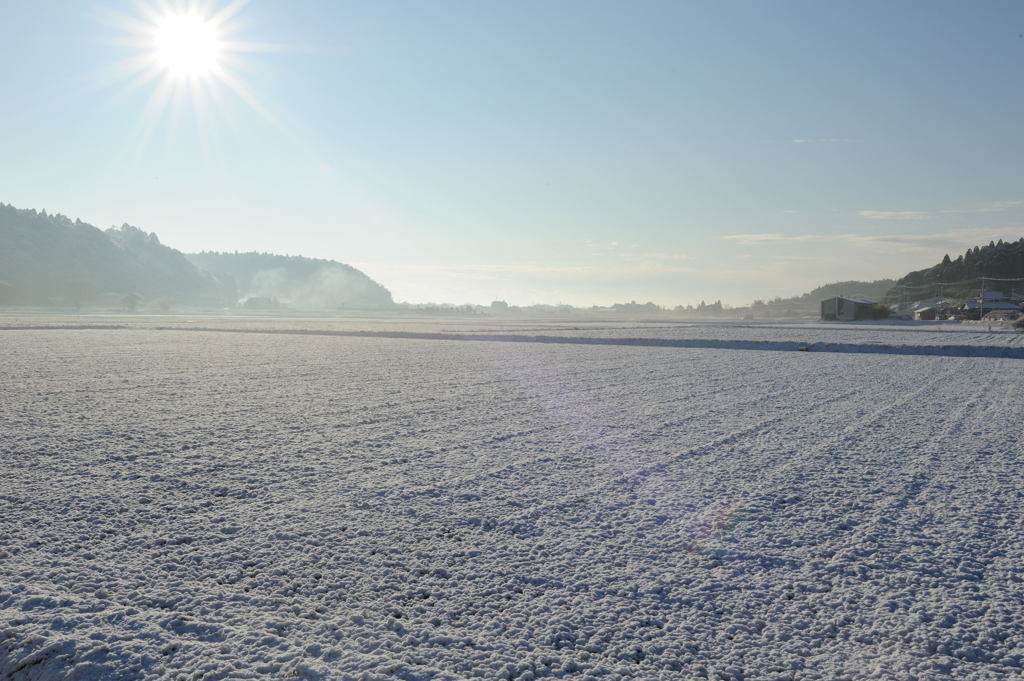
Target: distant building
pixel 844 309
pixel 261 303
pixel 978 308
pixel 933 308
pixel 994 297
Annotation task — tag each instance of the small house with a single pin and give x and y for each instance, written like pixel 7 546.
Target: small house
pixel 978 308
pixel 933 308
pixel 994 297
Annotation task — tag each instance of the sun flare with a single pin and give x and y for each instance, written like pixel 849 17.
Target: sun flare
pixel 192 57
pixel 187 45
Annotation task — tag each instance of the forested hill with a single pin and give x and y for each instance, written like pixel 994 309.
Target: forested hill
pixel 50 259
pixel 962 277
pixel 809 302
pixel 872 290
pixel 304 283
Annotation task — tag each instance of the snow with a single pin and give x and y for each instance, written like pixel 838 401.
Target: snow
pixel 382 499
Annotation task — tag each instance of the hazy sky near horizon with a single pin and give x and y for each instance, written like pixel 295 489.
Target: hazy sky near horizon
pixel 577 151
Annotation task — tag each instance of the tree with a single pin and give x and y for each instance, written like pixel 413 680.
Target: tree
pixel 80 290
pixel 131 301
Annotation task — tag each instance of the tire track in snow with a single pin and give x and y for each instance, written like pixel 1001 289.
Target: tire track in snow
pixel 652 479
pixel 554 403
pixel 771 473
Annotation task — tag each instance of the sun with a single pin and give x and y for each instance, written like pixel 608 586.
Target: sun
pixel 187 45
pixel 188 55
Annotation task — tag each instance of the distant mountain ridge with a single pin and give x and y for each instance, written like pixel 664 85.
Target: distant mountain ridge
pixel 872 290
pixel 808 303
pixel 51 260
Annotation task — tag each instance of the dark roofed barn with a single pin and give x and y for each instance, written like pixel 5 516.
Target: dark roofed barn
pixel 843 309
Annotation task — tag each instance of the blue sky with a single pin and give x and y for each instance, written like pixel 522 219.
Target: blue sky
pixel 586 152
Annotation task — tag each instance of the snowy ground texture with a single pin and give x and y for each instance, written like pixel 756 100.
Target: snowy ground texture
pixel 194 504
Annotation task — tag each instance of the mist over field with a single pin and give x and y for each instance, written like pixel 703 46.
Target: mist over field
pixel 300 283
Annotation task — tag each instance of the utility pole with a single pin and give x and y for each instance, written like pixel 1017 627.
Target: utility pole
pixel 981 310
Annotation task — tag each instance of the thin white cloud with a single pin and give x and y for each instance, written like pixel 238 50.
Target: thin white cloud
pixel 654 256
pixel 607 247
pixel 473 271
pixel 652 264
pixel 668 256
pixel 893 214
pixel 618 252
pixel 526 267
pixel 993 207
pixel 1000 206
pixel 952 240
pixel 769 238
pixel 820 140
pixel 883 243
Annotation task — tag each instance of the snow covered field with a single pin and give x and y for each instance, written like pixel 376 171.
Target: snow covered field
pixel 199 504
